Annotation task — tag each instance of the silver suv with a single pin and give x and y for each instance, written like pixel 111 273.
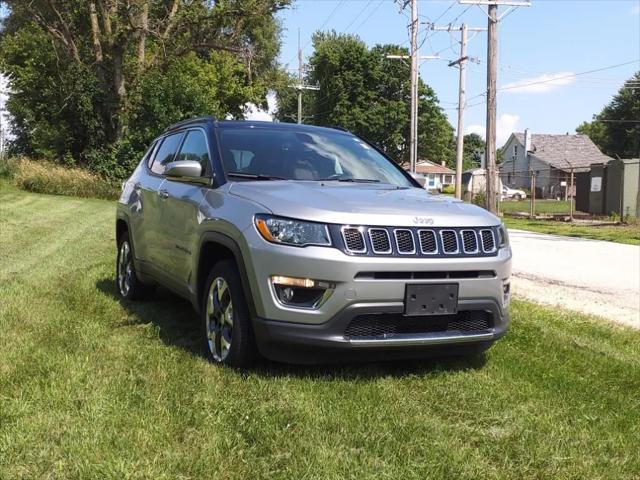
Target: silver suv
pixel 307 244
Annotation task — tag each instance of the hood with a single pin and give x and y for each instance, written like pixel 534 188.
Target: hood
pixel 362 204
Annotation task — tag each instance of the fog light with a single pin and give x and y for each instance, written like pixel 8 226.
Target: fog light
pixel 301 292
pixel 506 293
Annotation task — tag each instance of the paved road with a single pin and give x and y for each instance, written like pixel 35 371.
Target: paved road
pixel 591 276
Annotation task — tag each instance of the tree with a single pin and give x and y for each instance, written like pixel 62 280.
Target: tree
pixel 616 129
pixel 363 91
pixel 474 147
pixel 87 74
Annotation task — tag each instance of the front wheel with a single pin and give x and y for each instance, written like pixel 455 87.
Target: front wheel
pixel 227 330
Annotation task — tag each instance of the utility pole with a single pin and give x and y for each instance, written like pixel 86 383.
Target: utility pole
pixel 415 63
pixel 413 137
pixel 492 76
pixel 462 65
pixel 301 85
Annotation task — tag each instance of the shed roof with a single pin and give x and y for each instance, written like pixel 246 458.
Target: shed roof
pixel 564 151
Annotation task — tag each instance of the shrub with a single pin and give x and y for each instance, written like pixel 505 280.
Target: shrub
pixel 8 166
pixel 449 189
pixel 46 177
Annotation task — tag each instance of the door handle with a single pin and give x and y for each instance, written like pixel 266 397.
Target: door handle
pixel 163 194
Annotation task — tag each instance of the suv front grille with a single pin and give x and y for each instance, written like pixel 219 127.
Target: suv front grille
pixel 404 242
pixel 354 240
pixel 385 324
pixel 449 241
pixel 380 242
pixel 409 241
pixel 488 241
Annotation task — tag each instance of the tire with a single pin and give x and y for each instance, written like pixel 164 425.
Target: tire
pixel 227 331
pixel 128 285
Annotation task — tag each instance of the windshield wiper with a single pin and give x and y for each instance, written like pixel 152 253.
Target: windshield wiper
pixel 354 180
pixel 254 176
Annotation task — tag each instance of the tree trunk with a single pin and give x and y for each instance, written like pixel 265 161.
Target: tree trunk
pixel 95 32
pixel 144 26
pixel 120 90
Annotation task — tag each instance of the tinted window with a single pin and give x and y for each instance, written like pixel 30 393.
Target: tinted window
pixel 195 149
pixel 305 155
pixel 166 152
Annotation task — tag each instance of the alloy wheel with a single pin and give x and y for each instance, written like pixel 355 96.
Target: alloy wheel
pixel 125 269
pixel 219 319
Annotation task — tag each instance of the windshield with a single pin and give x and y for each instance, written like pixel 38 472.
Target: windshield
pixel 277 153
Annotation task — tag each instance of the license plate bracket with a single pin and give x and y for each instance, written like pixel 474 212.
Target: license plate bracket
pixel 431 299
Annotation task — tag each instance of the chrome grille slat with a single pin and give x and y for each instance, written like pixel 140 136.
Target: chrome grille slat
pixel 469 241
pixel 428 242
pixel 449 240
pixel 380 241
pixel 405 243
pixel 354 240
pixel 488 241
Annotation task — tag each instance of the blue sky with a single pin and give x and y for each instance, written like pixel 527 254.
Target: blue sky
pixel 552 38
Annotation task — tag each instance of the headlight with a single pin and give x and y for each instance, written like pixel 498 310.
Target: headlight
pixel 503 236
pixel 292 232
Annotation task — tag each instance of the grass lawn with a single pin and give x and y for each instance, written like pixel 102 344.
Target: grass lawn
pixel 542 206
pixel 92 389
pixel 613 233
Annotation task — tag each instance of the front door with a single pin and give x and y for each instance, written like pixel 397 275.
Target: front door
pixel 180 212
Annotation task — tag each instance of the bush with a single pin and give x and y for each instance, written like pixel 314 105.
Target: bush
pixel 8 167
pixel 449 189
pixel 46 177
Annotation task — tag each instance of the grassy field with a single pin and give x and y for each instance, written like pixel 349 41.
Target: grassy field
pixel 92 389
pixel 629 233
pixel 542 206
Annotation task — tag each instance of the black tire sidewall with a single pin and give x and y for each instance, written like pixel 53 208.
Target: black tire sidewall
pixel 243 350
pixel 137 289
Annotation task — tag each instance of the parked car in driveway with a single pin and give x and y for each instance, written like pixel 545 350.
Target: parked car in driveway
pixel 308 244
pixel 512 194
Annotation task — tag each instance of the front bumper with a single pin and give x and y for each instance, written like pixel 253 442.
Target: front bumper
pixel 304 343
pixel 303 335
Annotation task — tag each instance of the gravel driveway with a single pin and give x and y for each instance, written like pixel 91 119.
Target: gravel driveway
pixel 590 276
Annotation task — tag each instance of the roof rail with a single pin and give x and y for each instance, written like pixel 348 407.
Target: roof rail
pixel 189 121
pixel 342 129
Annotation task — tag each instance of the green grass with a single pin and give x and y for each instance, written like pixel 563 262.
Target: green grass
pixel 625 233
pixel 93 389
pixel 542 206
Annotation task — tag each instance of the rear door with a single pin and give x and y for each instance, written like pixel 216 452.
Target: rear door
pixel 180 212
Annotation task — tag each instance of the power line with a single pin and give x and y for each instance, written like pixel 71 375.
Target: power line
pixel 573 75
pixel 375 9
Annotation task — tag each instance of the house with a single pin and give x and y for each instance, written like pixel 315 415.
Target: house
pixel 437 175
pixel 474 181
pixel 551 158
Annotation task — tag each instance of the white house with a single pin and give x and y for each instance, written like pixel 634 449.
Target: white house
pixel 437 175
pixel 551 157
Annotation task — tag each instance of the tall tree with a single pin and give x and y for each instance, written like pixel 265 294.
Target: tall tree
pixel 86 68
pixel 616 129
pixel 474 147
pixel 363 91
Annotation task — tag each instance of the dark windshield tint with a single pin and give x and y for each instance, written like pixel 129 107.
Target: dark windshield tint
pixel 296 155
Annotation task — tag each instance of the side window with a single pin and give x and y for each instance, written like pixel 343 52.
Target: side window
pixel 195 149
pixel 148 156
pixel 166 152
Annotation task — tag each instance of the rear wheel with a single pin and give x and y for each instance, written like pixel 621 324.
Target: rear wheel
pixel 227 331
pixel 128 285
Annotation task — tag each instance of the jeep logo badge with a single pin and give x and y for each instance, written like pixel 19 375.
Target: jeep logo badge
pixel 423 221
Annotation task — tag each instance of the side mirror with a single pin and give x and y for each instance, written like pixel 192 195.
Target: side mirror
pixel 420 179
pixel 187 169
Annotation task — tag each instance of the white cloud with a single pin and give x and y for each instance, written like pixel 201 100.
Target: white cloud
pixel 253 112
pixel 507 124
pixel 635 10
pixel 540 84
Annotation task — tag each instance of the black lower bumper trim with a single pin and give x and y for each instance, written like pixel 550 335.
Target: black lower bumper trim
pixel 326 342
